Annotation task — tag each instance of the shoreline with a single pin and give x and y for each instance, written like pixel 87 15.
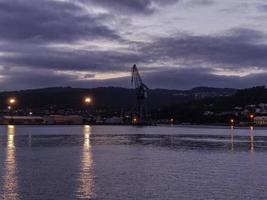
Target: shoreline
pixel 211 126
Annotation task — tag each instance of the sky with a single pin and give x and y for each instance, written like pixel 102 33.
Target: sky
pixel 176 44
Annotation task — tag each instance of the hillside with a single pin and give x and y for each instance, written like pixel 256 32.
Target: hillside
pixel 106 97
pixel 220 108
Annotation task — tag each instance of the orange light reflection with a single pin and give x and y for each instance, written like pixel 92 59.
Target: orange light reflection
pixel 10 178
pixel 86 184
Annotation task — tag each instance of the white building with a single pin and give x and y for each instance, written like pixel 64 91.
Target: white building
pixel 261 121
pixel 21 120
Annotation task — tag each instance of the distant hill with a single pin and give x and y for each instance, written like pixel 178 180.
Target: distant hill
pixel 219 108
pixel 107 97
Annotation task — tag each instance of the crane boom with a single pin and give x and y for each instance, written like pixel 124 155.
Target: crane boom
pixel 141 88
pixel 141 91
pixel 136 78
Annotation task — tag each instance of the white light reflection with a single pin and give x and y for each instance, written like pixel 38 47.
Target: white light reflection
pixel 251 134
pixel 86 184
pixel 86 133
pixel 232 138
pixel 10 178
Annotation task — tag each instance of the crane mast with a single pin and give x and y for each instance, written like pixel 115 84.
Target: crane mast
pixel 141 94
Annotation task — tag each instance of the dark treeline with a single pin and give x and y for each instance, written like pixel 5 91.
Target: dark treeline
pixel 184 106
pixel 104 97
pixel 224 106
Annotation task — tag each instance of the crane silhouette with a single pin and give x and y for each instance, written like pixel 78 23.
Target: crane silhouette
pixel 141 94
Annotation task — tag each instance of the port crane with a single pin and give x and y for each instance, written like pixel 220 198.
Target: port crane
pixel 141 95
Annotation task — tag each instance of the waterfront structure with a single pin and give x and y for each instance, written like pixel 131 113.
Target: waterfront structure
pixel 63 119
pixel 260 121
pixel 141 95
pixel 21 120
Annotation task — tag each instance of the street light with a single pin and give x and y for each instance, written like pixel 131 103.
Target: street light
pixel 232 123
pixel 251 119
pixel 87 100
pixel 135 120
pixel 11 103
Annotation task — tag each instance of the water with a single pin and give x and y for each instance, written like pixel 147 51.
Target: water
pixel 120 162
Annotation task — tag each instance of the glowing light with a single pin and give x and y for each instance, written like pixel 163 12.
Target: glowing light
pixel 88 100
pixel 12 101
pixel 10 127
pixel 135 120
pixel 251 116
pixel 232 120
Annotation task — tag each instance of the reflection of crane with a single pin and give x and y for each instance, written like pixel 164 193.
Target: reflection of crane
pixel 141 93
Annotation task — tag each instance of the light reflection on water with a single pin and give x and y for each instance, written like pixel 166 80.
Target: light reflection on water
pixel 86 185
pixel 232 138
pixel 251 135
pixel 101 165
pixel 250 138
pixel 10 178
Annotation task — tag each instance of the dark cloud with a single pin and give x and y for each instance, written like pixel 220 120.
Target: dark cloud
pixel 136 6
pixel 171 78
pixel 142 6
pixel 131 6
pixel 27 78
pixel 56 59
pixel 189 78
pixel 239 48
pixel 49 21
pixel 30 27
pixel 200 2
pixel 262 7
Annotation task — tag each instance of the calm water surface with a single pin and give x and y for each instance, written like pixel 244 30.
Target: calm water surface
pixel 132 163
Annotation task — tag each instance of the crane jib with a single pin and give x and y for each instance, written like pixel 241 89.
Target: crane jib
pixel 141 94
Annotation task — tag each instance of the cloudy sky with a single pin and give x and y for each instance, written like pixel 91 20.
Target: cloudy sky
pixel 175 43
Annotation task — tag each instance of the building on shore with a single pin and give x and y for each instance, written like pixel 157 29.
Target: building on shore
pixel 63 119
pixel 260 121
pixel 21 120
